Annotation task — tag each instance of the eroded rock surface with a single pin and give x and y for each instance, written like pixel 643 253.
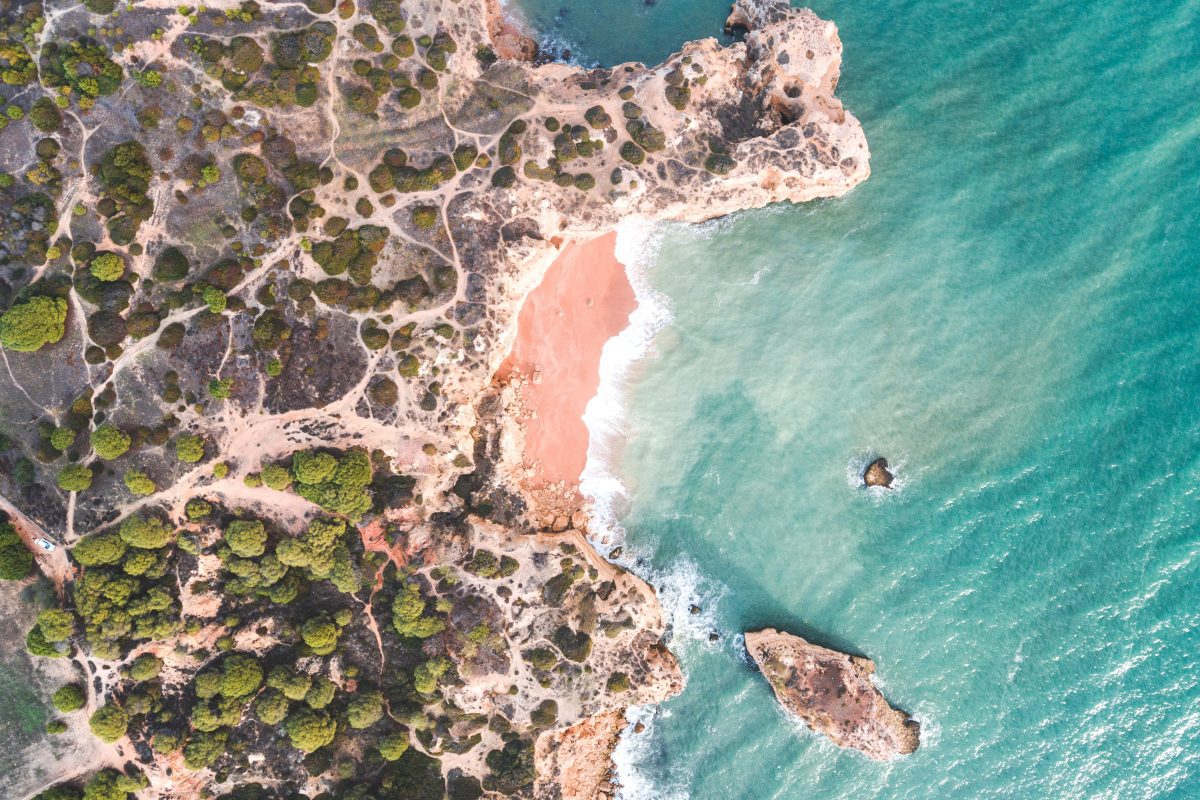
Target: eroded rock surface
pixel 878 474
pixel 832 693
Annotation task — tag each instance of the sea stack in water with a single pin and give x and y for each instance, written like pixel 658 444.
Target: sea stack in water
pixel 878 474
pixel 833 694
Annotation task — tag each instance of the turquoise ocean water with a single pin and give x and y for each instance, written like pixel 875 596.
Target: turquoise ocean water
pixel 1009 309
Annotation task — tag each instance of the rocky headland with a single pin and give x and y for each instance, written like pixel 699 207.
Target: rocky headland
pixel 832 693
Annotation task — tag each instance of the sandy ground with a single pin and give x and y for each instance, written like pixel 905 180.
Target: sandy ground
pixel 584 300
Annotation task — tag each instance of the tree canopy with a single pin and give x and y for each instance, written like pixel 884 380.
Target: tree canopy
pixel 109 723
pixel 38 321
pixel 310 730
pixel 15 559
pixel 246 537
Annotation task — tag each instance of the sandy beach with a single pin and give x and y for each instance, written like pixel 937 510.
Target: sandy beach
pixel 584 300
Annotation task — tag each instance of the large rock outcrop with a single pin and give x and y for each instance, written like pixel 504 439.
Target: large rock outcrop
pixel 833 694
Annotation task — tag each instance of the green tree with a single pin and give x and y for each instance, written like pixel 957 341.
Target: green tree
pixel 276 477
pixel 62 438
pixel 427 675
pixel 312 468
pixel 99 548
pixel 148 533
pixel 75 478
pixel 310 730
pixel 408 614
pixel 69 698
pixel 365 710
pixel 145 667
pixel 109 723
pixel 203 749
pixel 36 644
pixel 110 442
pixel 189 448
pixel 60 792
pixel 246 538
pixel 294 685
pixel 57 625
pixel 321 693
pixel 512 767
pixel 44 115
pixel 392 746
pixel 215 299
pixel 271 706
pixel 320 635
pixel 139 483
pixel 107 266
pixel 197 509
pixel 38 321
pixel 15 559
pixel 241 675
pixel 314 550
pixel 108 784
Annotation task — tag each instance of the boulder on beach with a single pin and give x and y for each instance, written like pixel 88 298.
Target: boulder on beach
pixel 877 474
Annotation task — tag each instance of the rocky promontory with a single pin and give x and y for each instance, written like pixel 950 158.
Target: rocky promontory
pixel 833 694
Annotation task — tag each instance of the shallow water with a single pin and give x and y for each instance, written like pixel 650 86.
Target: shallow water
pixel 1009 310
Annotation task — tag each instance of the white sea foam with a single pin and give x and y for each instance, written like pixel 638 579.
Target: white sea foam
pixel 633 750
pixel 637 248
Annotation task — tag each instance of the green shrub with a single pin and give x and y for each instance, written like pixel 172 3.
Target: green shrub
pixel 44 115
pixel 320 635
pixel 310 730
pixel 15 559
pixel 425 216
pixel 74 478
pixel 109 723
pixel 271 706
pixel 145 667
pixel 38 321
pixel 719 164
pixel 392 746
pixel 246 538
pixel 69 698
pixel 97 549
pixel 197 509
pixel 189 448
pixel 62 438
pixel 148 533
pixel 409 617
pixel 109 442
pixel 107 266
pixel 632 153
pixel 365 710
pixel 618 682
pixel 276 477
pixel 139 483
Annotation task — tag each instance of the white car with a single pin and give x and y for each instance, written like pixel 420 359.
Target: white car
pixel 45 544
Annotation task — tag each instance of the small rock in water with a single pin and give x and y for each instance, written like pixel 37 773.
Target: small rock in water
pixel 639 727
pixel 714 637
pixel 616 552
pixel 877 474
pixel 694 609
